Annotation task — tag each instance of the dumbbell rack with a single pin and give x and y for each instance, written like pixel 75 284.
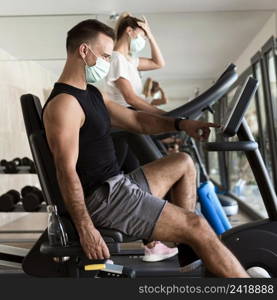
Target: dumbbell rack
pixel 19 209
pixel 21 170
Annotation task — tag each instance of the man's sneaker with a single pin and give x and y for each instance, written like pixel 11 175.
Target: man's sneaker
pixel 258 272
pixel 188 259
pixel 158 253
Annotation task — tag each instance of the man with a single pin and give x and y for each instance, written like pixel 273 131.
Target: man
pixel 77 122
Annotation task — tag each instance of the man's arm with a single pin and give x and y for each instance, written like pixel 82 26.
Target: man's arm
pixel 63 118
pixel 147 123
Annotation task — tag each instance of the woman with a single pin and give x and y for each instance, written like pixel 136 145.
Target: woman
pixel 153 92
pixel 123 82
pixel 124 85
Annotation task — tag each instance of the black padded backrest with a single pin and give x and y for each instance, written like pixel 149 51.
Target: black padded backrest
pixel 143 147
pixel 43 159
pixel 31 109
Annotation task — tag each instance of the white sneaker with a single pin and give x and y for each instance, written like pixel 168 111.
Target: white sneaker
pixel 109 261
pixel 258 272
pixel 158 253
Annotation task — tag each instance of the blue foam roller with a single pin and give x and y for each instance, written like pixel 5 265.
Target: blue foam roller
pixel 212 209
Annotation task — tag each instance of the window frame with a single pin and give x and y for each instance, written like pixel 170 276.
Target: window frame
pixel 270 45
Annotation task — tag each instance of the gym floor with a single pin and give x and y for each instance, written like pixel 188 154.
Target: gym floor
pixel 16 233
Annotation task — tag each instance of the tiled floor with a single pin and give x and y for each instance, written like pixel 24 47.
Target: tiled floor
pixel 239 219
pixel 24 230
pixel 38 222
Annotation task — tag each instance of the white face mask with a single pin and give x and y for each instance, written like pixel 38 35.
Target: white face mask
pixel 137 44
pixel 98 71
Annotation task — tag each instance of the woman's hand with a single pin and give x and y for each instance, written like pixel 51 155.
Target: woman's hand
pixel 145 26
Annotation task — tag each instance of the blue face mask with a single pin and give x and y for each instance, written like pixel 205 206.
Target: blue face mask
pixel 98 71
pixel 137 44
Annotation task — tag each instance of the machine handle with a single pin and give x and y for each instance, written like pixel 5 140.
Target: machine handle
pixel 231 146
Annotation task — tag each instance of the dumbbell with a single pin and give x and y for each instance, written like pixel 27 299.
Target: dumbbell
pixel 3 162
pixel 17 161
pixel 10 166
pixel 26 161
pixel 31 198
pixel 9 200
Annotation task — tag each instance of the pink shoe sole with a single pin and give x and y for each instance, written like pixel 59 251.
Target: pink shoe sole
pixel 159 257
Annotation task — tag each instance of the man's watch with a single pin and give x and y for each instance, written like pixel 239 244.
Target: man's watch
pixel 177 123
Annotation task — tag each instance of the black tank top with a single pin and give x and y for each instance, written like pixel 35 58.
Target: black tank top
pixel 97 160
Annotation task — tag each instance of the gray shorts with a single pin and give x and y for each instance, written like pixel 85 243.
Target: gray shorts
pixel 125 203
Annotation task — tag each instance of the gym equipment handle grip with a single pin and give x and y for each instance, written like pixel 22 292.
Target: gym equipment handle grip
pixel 231 146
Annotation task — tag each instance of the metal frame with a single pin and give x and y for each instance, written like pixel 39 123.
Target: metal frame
pixel 223 156
pixel 207 158
pixel 257 60
pixel 220 155
pixel 269 46
pixel 205 153
pixel 261 58
pixel 260 173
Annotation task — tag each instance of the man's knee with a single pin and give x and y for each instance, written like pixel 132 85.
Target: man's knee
pixel 198 227
pixel 198 222
pixel 186 161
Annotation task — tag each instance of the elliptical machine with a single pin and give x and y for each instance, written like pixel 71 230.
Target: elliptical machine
pixel 255 243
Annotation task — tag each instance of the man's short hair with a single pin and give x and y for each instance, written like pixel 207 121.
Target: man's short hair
pixel 85 31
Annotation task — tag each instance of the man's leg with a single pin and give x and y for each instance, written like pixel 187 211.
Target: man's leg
pixel 175 172
pixel 189 228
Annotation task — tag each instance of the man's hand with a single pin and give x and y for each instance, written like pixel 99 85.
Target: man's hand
pixel 198 129
pixel 93 244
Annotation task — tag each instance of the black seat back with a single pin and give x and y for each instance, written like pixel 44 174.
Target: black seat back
pixel 43 159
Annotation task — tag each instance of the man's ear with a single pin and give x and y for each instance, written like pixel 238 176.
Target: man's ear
pixel 83 50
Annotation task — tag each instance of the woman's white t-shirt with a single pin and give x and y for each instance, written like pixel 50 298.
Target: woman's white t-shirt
pixel 128 69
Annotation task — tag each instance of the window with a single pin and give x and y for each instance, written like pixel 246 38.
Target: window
pixel 272 84
pixel 269 72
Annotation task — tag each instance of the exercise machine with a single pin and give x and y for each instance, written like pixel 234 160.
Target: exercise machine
pixel 39 261
pixel 254 243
